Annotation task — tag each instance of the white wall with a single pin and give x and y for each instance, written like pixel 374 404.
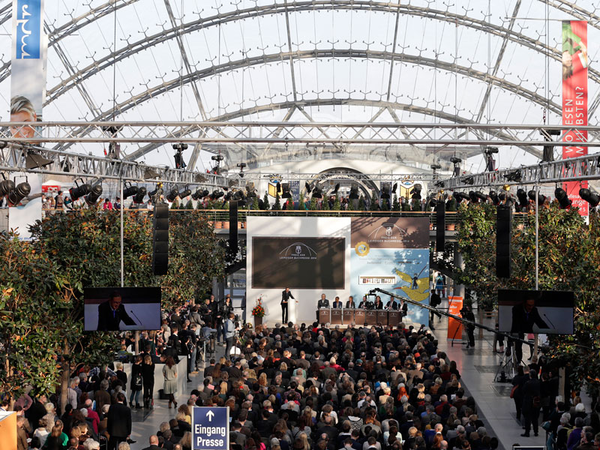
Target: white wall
pixel 305 309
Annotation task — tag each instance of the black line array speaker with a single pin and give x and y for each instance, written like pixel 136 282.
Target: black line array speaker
pixel 233 227
pixel 160 254
pixel 440 224
pixel 503 240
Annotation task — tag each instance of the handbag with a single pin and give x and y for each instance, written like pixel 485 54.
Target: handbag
pixel 513 391
pixel 547 425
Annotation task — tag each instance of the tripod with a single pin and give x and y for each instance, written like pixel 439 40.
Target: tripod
pixel 508 364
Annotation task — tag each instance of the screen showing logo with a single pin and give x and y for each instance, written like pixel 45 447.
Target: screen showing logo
pixel 28 29
pixel 298 250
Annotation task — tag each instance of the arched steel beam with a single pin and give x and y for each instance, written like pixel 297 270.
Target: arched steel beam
pixel 323 53
pixel 281 8
pixel 337 102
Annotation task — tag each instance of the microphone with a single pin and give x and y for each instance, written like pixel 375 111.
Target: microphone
pixel 553 326
pixel 134 315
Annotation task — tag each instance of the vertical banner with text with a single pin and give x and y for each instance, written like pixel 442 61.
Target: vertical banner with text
pixel 28 65
pixel 575 99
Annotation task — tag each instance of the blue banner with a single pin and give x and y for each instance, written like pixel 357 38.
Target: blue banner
pixel 28 38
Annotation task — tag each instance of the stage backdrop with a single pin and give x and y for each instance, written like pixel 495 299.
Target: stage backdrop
pixel 310 255
pixel 337 257
pixel 393 254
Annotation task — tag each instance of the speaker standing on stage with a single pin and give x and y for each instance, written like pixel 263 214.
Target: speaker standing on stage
pixel 285 297
pixel 322 303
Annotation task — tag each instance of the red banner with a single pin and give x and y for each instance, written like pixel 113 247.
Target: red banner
pixel 575 100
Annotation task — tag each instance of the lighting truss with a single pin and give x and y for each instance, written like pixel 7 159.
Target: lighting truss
pixel 573 169
pixel 299 133
pixel 13 158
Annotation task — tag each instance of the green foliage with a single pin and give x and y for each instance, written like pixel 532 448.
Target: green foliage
pixel 313 204
pixel 374 204
pixel 289 204
pixel 302 204
pixel 396 204
pixel 405 205
pixel 416 205
pixel 277 205
pixel 361 204
pixel 569 251
pixel 266 201
pixel 385 205
pixel 337 205
pixel 254 204
pixel 451 204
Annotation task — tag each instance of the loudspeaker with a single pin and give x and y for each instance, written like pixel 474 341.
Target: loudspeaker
pixel 160 254
pixel 503 240
pixel 440 223
pixel 233 227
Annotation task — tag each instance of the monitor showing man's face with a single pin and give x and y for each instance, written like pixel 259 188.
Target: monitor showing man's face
pixel 529 304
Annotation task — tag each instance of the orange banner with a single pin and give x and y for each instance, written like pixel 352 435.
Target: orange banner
pixel 455 304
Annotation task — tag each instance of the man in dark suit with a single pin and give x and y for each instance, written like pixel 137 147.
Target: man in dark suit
pixel 364 304
pixel 322 303
pixel 119 422
pixel 524 316
pixel 112 312
pixel 337 304
pixel 350 303
pixel 285 299
pixel 153 443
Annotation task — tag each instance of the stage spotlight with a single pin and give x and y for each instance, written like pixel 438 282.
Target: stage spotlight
pixel 490 164
pixel 228 196
pixel 139 196
pixel 216 194
pixel 548 154
pixel 385 191
pixel 590 197
pixel 241 166
pixel 353 192
pixel 416 192
pixel 515 176
pixel 522 196
pixel 494 196
pixel 286 190
pixel 473 197
pixel 563 199
pixel 481 196
pixel 35 161
pixel 460 196
pixel 79 190
pixel 172 195
pixel 456 161
pixel 317 192
pixel 19 193
pixel 179 162
pixel 185 193
pixel 541 198
pixel 205 193
pixel 197 195
pixel 129 190
pixel 6 186
pixel 94 194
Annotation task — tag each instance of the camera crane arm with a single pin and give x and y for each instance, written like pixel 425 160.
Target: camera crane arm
pixel 508 336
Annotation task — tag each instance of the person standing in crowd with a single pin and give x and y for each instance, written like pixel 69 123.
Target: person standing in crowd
pixel 467 314
pixel 137 382
pixel 440 285
pixel 229 334
pixel 119 422
pixel 148 381
pixel 59 201
pixel 532 403
pixel 107 205
pixel 170 380
pixel 286 294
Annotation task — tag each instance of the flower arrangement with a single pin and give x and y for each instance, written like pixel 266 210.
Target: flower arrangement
pixel 258 310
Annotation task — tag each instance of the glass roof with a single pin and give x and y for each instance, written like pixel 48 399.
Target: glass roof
pixel 323 60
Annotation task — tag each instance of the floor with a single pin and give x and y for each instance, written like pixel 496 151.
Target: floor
pixel 478 368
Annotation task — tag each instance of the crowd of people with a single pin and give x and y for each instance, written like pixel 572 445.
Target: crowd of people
pixel 293 387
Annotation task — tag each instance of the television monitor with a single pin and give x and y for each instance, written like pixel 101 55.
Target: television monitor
pixel 546 312
pixel 121 309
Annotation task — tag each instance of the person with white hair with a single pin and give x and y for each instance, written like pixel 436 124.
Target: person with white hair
pixel 22 110
pixel 91 444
